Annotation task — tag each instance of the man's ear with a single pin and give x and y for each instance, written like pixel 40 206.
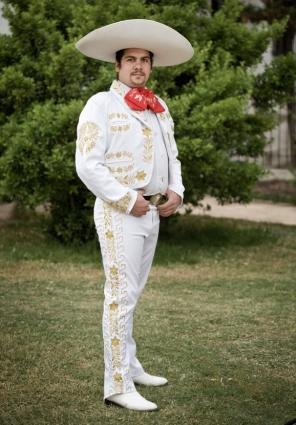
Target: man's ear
pixel 117 66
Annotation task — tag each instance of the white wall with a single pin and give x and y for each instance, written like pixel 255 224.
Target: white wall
pixel 4 28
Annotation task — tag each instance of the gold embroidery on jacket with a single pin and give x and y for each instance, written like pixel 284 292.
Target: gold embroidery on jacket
pixel 148 148
pixel 118 116
pixel 88 133
pixel 123 173
pixel 123 203
pixel 147 132
pixel 123 169
pixel 119 122
pixel 119 155
pixel 119 88
pixel 141 175
pixel 126 180
pixel 148 144
pixel 119 128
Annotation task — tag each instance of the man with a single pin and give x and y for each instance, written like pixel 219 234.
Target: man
pixel 127 156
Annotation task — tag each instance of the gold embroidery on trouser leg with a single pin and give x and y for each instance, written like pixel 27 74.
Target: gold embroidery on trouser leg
pixel 113 311
pixel 115 307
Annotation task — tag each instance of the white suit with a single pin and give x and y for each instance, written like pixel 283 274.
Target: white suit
pixel 114 158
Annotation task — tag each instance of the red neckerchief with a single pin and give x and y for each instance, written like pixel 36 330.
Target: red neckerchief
pixel 140 98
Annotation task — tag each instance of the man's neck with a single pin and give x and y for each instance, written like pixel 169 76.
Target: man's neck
pixel 131 86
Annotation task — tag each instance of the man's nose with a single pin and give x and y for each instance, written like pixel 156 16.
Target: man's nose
pixel 138 64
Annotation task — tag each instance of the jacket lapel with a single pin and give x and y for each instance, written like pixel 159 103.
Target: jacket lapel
pixel 119 91
pixel 162 120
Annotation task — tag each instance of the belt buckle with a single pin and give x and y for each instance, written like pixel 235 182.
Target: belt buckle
pixel 158 199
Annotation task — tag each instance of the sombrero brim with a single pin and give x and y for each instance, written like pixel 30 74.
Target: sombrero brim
pixel 168 45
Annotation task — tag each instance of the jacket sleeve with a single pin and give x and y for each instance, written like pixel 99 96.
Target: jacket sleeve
pixel 175 175
pixel 91 147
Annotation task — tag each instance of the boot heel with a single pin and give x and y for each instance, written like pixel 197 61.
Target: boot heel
pixel 109 403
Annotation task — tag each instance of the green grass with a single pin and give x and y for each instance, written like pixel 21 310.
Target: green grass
pixel 217 318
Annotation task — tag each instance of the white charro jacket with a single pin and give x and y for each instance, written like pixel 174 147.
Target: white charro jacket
pixel 115 148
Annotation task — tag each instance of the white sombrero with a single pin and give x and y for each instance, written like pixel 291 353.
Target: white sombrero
pixel 168 45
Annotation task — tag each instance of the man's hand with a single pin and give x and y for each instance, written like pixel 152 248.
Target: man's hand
pixel 141 206
pixel 170 206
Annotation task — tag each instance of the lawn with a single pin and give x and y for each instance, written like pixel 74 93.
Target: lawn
pixel 217 318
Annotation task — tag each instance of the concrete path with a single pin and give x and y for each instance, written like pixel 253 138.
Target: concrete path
pixel 7 211
pixel 262 211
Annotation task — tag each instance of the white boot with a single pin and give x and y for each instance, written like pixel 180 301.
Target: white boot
pixel 150 380
pixel 133 401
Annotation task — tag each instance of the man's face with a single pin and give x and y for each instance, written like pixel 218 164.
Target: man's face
pixel 134 68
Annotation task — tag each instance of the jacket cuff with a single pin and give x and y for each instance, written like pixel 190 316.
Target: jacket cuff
pixel 126 203
pixel 134 196
pixel 178 192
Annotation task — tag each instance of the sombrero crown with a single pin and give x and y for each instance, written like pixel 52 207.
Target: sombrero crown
pixel 168 45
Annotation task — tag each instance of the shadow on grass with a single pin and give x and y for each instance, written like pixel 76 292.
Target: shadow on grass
pixel 29 240
pixel 209 231
pixel 182 239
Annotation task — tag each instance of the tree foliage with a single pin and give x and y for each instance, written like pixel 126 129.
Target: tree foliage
pixel 221 108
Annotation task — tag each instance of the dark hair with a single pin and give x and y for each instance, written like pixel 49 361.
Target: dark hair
pixel 120 53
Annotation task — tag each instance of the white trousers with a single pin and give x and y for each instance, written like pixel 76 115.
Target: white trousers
pixel 128 245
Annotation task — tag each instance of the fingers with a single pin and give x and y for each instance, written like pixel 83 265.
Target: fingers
pixel 141 206
pixel 167 209
pixel 139 213
pixel 145 206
